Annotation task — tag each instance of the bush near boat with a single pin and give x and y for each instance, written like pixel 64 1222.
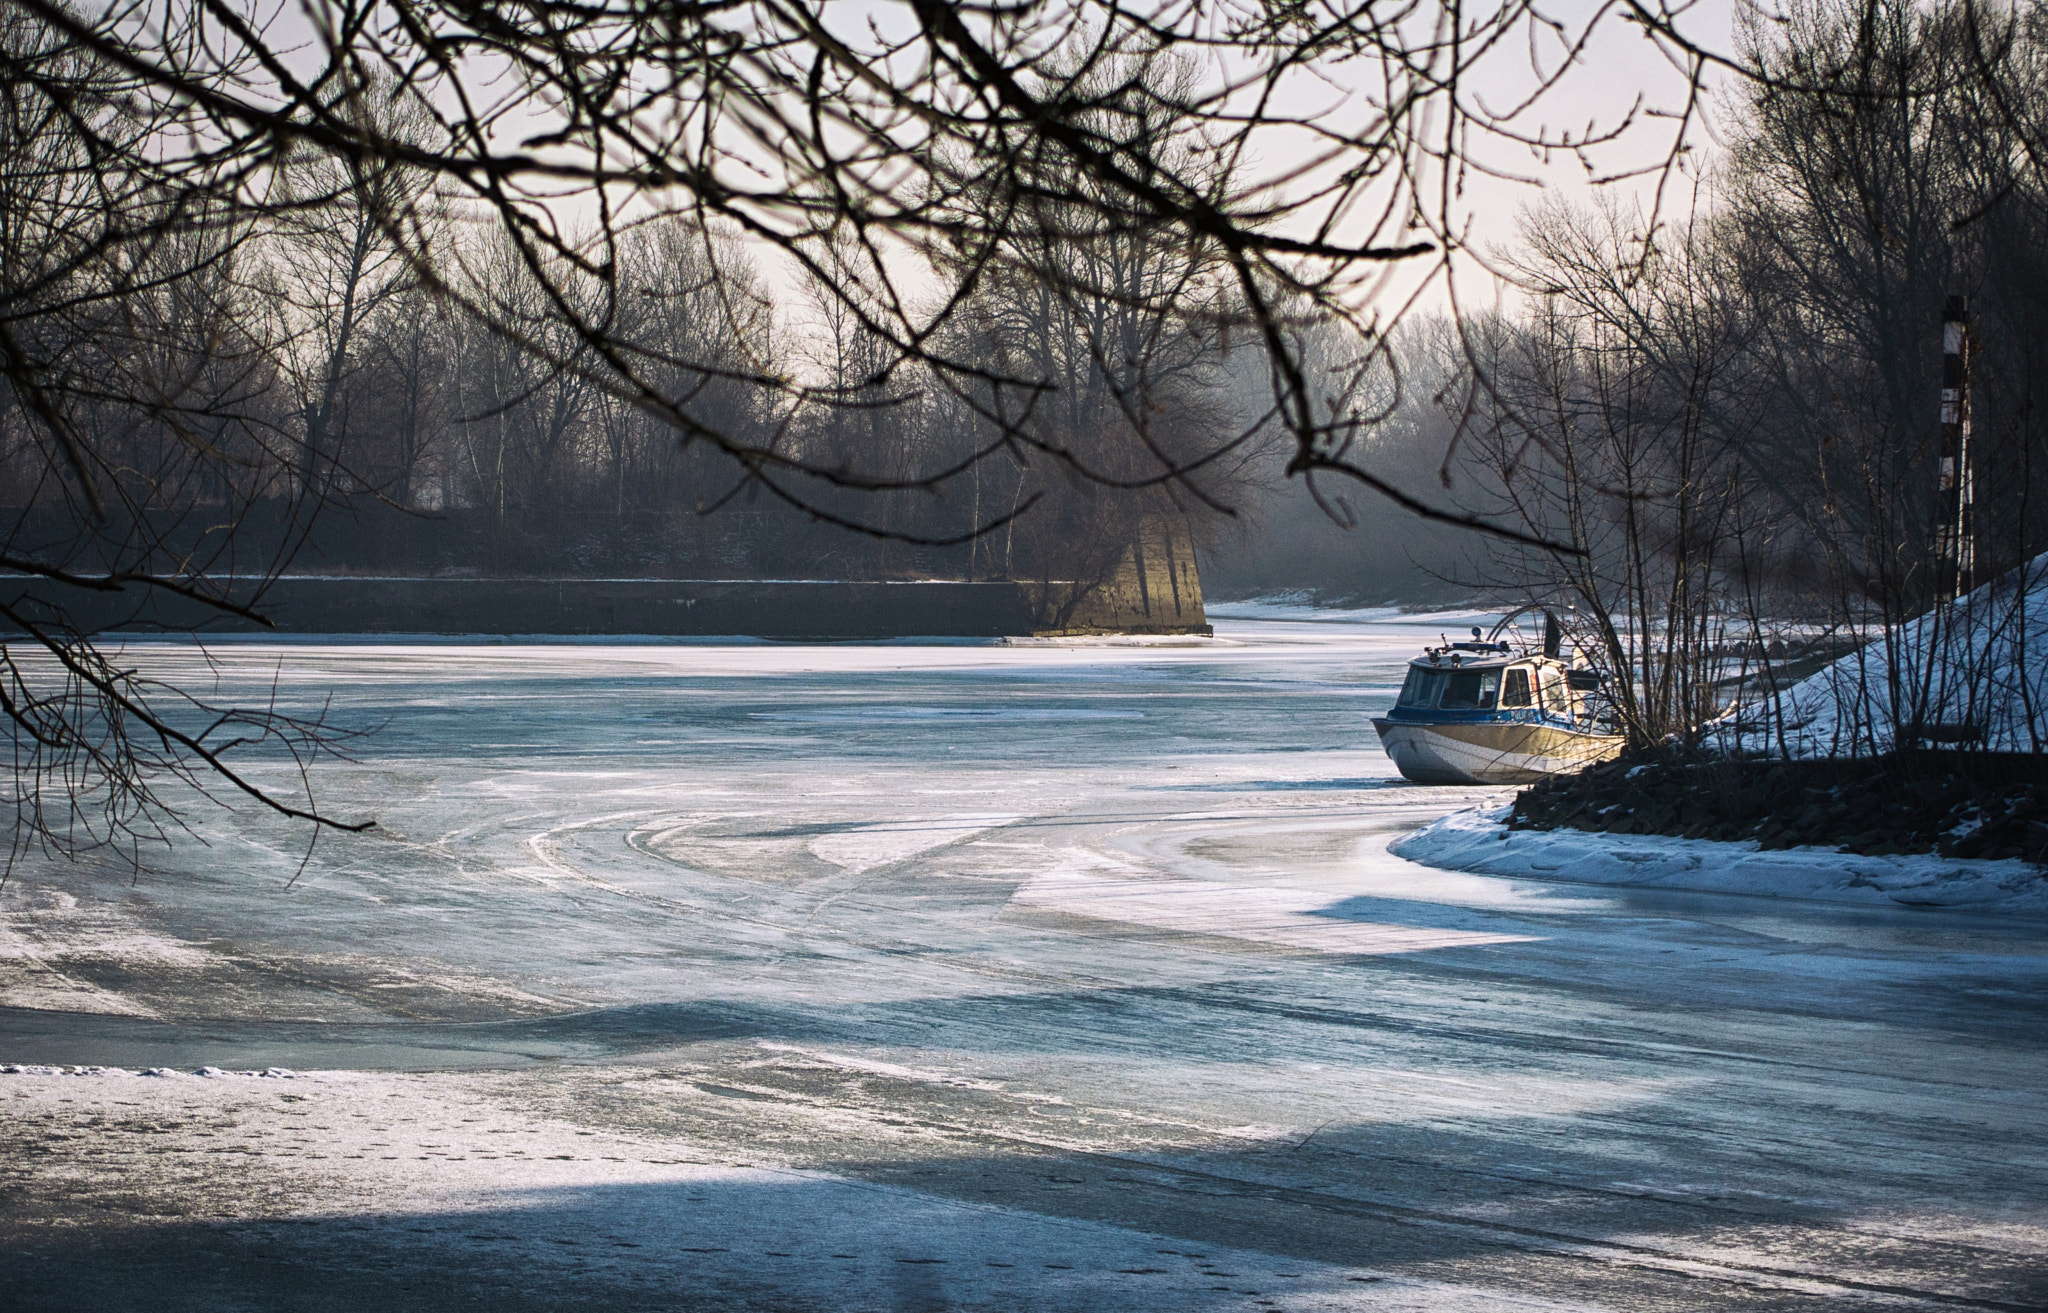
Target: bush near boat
pixel 1957 804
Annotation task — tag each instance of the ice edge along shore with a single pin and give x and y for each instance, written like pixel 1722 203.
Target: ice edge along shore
pixel 1478 840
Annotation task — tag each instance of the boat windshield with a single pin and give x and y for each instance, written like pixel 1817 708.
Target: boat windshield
pixel 1470 690
pixel 1516 693
pixel 1421 688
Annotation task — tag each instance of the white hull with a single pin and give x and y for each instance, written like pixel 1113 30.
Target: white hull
pixel 1491 752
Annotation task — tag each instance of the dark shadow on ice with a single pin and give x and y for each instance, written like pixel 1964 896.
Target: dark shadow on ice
pixel 96 1039
pixel 1275 786
pixel 1747 965
pixel 967 1224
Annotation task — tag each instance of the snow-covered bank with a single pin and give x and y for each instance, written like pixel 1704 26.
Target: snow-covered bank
pixel 1977 669
pixel 1479 841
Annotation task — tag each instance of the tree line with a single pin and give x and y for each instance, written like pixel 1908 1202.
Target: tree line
pixel 248 372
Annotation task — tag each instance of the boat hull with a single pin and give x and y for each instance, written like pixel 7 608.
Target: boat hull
pixel 1490 752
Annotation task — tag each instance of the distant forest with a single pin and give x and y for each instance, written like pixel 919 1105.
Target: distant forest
pixel 290 384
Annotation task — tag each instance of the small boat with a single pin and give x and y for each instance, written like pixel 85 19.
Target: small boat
pixel 1498 712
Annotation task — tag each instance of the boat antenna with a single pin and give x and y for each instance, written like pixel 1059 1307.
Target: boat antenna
pixel 1508 620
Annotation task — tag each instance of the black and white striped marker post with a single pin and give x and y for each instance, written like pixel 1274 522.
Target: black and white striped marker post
pixel 1956 544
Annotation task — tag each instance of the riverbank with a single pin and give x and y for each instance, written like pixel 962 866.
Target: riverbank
pixel 1486 841
pixel 1952 804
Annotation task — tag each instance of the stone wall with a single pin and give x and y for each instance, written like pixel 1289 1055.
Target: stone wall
pixel 1155 589
pixel 799 609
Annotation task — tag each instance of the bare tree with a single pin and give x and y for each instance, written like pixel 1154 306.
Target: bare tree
pixel 334 266
pixel 397 398
pixel 141 425
pixel 1618 420
pixel 1737 420
pixel 798 124
pixel 1881 170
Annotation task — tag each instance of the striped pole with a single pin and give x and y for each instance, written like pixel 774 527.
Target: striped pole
pixel 1956 544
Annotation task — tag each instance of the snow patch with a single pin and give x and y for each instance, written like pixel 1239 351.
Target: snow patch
pixel 869 846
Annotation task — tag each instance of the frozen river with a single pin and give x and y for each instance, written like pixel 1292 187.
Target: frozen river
pixel 898 977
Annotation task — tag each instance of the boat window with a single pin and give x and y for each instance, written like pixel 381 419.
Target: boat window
pixel 1556 696
pixel 1470 690
pixel 1421 688
pixel 1515 691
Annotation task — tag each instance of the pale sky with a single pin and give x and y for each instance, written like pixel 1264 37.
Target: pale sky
pixel 1620 69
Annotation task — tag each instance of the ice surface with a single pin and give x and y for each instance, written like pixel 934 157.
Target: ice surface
pixel 1302 611
pixel 868 846
pixel 1268 914
pixel 524 1195
pixel 987 977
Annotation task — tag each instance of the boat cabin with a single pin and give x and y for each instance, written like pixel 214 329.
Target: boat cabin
pixel 1493 713
pixel 1496 683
